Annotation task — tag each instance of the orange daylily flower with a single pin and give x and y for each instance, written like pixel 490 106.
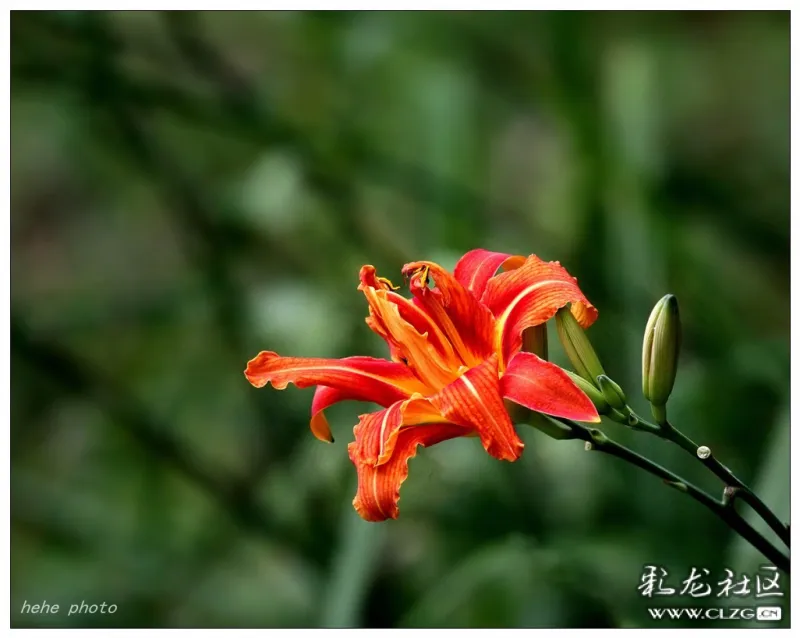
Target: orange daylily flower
pixel 456 354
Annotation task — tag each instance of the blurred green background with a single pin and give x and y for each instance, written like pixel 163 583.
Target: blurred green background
pixel 189 189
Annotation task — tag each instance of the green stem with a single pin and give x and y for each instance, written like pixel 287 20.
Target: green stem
pixel 740 490
pixel 722 508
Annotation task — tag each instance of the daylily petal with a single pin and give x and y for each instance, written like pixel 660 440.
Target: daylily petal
pixel 376 433
pixel 356 378
pixel 324 397
pixel 474 400
pixel 467 323
pixel 411 334
pixel 379 486
pixel 409 311
pixel 543 386
pixel 477 267
pixel 529 296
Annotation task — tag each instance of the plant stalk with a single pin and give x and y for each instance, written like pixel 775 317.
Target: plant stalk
pixel 738 489
pixel 722 508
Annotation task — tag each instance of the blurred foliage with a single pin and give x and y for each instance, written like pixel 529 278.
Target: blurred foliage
pixel 189 189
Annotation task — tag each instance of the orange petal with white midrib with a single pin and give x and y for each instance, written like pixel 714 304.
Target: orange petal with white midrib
pixel 529 296
pixel 356 378
pixel 376 433
pixel 379 486
pixel 407 344
pixel 477 267
pixel 408 310
pixel 474 400
pixel 544 387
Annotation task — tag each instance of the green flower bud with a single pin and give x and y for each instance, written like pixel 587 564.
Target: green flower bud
pixel 595 396
pixel 662 342
pixel 534 340
pixel 612 393
pixel 576 345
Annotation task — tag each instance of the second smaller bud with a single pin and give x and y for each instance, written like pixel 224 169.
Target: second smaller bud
pixel 612 393
pixel 595 396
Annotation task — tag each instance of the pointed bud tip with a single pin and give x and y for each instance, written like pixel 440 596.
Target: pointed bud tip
pixel 670 303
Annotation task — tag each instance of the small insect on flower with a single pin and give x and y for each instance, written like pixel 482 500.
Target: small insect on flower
pixel 456 354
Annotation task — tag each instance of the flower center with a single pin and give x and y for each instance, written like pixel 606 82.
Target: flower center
pixel 419 284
